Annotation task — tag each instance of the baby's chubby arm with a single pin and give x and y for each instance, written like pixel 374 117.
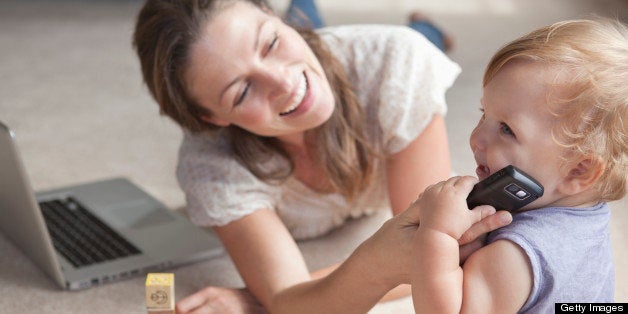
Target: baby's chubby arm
pixel 444 217
pixel 497 278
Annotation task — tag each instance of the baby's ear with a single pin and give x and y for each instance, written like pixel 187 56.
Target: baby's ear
pixel 582 175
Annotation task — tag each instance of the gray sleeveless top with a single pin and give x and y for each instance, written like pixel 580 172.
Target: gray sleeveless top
pixel 570 253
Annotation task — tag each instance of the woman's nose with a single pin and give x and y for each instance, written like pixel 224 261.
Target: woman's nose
pixel 279 81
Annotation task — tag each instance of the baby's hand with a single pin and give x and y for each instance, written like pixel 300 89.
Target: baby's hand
pixel 443 207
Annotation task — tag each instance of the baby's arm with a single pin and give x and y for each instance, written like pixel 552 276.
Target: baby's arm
pixel 485 284
pixel 444 216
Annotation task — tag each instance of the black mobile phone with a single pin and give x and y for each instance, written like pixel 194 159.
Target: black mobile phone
pixel 509 189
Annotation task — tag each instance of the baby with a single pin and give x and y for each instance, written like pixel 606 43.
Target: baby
pixel 554 104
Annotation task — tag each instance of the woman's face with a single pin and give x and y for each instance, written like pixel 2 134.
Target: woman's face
pixel 250 69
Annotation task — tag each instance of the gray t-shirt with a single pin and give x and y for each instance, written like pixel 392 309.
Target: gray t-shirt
pixel 400 79
pixel 570 253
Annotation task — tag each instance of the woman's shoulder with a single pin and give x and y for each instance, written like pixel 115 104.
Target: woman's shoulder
pixel 217 187
pixel 203 143
pixel 373 49
pixel 371 37
pixel 205 151
pixel 367 32
pixel 211 155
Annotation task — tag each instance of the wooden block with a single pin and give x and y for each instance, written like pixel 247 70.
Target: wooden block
pixel 160 293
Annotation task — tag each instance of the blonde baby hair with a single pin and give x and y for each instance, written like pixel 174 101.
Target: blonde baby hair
pixel 592 121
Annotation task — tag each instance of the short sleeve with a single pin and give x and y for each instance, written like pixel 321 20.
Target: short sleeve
pixel 535 260
pixel 217 188
pixel 399 76
pixel 418 76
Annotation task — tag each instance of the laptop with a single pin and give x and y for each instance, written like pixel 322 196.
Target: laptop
pixel 94 233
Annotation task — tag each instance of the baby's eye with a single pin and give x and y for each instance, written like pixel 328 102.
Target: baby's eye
pixel 504 128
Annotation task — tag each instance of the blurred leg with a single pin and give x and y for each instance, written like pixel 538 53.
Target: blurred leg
pixel 304 13
pixel 423 25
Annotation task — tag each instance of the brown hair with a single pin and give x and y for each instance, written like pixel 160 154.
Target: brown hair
pixel 164 33
pixel 593 120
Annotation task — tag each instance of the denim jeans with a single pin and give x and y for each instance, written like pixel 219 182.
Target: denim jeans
pixel 304 14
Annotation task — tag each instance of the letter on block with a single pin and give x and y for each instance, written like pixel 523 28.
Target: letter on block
pixel 160 293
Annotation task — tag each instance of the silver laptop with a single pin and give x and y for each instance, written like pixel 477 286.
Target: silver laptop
pixel 93 233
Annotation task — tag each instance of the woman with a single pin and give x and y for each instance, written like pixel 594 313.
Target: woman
pixel 288 134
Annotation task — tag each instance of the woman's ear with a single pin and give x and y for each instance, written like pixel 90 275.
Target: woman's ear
pixel 215 121
pixel 583 175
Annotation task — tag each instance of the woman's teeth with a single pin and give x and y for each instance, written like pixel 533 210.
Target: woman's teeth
pixel 298 98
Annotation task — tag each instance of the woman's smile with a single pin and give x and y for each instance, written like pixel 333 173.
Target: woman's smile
pixel 297 100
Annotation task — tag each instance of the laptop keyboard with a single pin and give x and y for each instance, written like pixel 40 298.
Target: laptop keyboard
pixel 81 237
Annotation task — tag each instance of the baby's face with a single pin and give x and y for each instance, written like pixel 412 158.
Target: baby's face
pixel 516 127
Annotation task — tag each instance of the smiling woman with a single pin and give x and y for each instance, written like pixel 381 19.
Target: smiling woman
pixel 272 69
pixel 289 133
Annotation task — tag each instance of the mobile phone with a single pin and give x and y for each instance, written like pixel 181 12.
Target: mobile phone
pixel 507 189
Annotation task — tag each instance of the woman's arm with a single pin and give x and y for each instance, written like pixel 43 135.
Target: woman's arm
pixel 273 269
pixel 423 162
pixel 267 259
pixel 270 263
pixel 396 293
pixel 265 254
pixel 380 263
pixel 351 288
pixel 364 278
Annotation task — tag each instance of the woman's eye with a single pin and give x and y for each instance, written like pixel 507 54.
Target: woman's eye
pixel 273 43
pixel 243 94
pixel 504 128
